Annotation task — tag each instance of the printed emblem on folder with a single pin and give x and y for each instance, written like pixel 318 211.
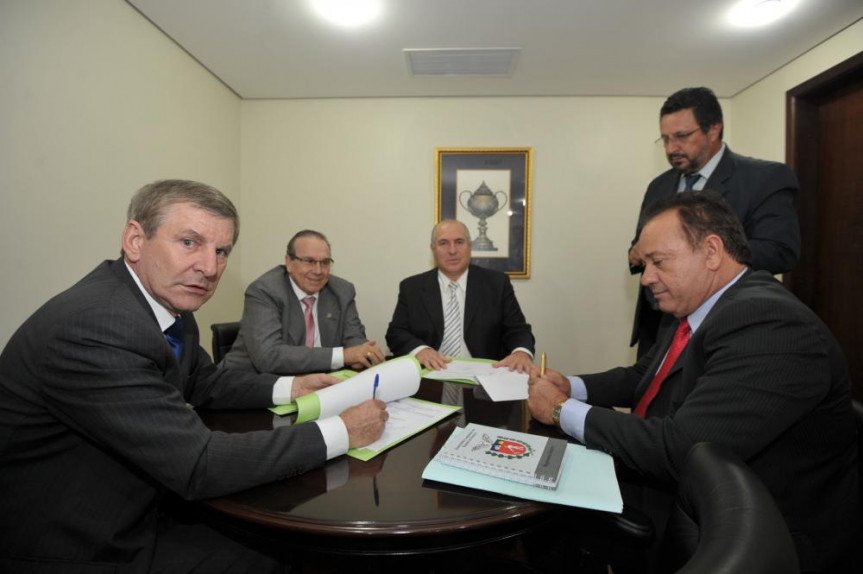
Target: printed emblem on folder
pixel 510 449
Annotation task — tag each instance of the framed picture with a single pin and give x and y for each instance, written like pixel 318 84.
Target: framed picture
pixel 488 189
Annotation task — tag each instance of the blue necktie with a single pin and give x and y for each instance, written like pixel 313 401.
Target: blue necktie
pixel 689 181
pixel 174 335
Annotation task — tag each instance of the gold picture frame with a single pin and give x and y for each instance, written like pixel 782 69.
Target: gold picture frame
pixel 479 185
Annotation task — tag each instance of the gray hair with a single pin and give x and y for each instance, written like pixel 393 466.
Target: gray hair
pixel 442 221
pixel 150 204
pixel 307 233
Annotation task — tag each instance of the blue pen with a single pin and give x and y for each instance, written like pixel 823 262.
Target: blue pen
pixel 375 389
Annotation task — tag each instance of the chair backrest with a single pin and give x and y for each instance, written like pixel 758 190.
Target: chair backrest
pixel 725 520
pixel 224 335
pixel 857 407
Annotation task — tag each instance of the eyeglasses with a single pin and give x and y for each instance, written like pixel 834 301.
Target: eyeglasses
pixel 309 262
pixel 679 137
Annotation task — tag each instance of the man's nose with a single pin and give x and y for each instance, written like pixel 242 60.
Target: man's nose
pixel 208 263
pixel 648 276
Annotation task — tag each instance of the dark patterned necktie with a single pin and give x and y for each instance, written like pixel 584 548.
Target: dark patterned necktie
pixel 174 336
pixel 689 181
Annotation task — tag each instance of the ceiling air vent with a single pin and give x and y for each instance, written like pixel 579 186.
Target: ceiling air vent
pixel 498 62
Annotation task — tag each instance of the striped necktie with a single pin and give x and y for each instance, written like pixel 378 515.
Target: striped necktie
pixel 452 327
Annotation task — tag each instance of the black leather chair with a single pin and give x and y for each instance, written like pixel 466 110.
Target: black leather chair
pixel 224 335
pixel 857 406
pixel 725 520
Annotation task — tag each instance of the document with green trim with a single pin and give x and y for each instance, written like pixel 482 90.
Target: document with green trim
pixel 397 380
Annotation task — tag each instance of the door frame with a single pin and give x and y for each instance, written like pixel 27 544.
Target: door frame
pixel 801 154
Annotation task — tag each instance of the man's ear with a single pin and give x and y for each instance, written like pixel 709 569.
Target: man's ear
pixel 713 132
pixel 133 240
pixel 714 251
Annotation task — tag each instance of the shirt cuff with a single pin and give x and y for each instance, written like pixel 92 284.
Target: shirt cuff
pixel 282 390
pixel 572 417
pixel 523 350
pixel 418 349
pixel 338 360
pixel 577 388
pixel 335 436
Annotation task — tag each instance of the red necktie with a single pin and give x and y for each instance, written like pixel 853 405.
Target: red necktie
pixel 309 302
pixel 681 338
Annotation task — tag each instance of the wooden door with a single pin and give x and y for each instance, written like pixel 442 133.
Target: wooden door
pixel 825 149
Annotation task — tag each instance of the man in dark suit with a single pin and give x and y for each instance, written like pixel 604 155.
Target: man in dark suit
pixel 761 193
pixel 297 318
pixel 487 319
pixel 759 373
pixel 95 394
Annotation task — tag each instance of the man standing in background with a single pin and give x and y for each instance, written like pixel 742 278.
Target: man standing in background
pixel 761 193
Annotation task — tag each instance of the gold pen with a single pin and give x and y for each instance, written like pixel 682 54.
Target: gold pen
pixel 542 359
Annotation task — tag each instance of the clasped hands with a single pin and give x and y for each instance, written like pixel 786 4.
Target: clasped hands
pixel 546 391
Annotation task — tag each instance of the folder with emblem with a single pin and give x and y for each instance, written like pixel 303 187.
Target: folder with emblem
pixel 522 457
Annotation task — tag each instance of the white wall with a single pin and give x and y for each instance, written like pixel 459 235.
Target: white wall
pixel 759 112
pixel 95 103
pixel 362 171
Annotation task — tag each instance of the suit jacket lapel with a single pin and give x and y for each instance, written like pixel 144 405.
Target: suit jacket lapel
pixel 118 267
pixel 721 174
pixel 295 318
pixel 662 345
pixel 473 296
pixel 432 303
pixel 328 318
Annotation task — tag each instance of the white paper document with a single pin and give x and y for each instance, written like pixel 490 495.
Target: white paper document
pixel 407 418
pixel 460 369
pixel 504 385
pixel 397 379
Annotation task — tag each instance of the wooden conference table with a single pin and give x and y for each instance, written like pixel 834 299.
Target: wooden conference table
pixel 383 506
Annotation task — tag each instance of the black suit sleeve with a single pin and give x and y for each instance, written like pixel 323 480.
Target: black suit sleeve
pixel 770 222
pixel 406 331
pixel 516 331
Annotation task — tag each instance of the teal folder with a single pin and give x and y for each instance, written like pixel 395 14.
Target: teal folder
pixel 587 480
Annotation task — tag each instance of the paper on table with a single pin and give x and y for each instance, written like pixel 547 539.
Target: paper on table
pixel 587 480
pixel 462 370
pixel 504 385
pixel 399 378
pixel 407 417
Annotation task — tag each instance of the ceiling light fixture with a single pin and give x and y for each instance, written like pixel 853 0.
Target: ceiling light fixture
pixel 348 13
pixel 756 13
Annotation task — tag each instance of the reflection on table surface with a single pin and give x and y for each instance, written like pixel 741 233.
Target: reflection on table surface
pixel 384 503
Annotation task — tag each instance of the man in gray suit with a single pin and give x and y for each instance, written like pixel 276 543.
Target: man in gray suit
pixel 748 366
pixel 297 318
pixel 761 193
pixel 95 420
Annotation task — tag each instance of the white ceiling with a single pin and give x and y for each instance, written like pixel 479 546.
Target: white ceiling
pixel 281 49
